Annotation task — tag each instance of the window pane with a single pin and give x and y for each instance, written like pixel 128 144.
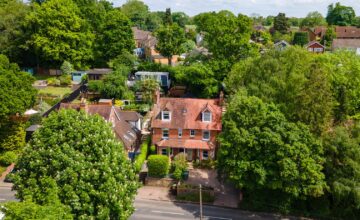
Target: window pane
pixel 206 135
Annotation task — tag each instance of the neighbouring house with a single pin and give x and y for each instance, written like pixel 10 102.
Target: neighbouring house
pixel 187 125
pixel 97 74
pixel 140 37
pixel 316 34
pixel 161 77
pixel 281 45
pixel 346 44
pixel 126 124
pixel 342 32
pixel 315 47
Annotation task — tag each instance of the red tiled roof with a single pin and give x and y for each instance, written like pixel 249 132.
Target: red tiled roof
pixel 186 113
pixel 347 32
pixel 186 143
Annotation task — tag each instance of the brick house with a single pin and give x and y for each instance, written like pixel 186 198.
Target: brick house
pixel 187 125
pixel 315 47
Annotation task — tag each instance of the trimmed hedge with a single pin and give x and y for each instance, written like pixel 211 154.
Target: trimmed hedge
pixel 140 158
pixel 158 165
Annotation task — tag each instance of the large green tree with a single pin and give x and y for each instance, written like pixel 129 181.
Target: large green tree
pixel 59 33
pixel 281 23
pixel 295 80
pixel 77 156
pixel 227 37
pixel 115 38
pixel 137 12
pixel 260 150
pixel 342 169
pixel 16 91
pixel 12 35
pixel 340 15
pixel 313 19
pixel 199 80
pixel 170 39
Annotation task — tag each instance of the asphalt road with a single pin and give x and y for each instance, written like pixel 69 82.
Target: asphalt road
pixel 159 210
pixel 5 192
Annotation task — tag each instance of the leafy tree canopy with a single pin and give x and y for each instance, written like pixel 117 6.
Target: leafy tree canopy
pixel 260 149
pixel 301 38
pixel 76 157
pixel 137 11
pixel 313 19
pixel 340 15
pixel 170 39
pixel 281 23
pixel 60 33
pixel 16 91
pixel 295 80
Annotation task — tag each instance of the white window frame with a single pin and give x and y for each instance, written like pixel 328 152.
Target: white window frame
pixel 168 133
pixel 192 131
pixel 318 49
pixel 163 114
pixel 203 116
pixel 180 133
pixel 205 139
pixel 207 154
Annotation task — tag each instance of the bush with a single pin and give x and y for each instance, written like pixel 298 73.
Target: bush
pixel 179 165
pixel 65 80
pixel 195 197
pixel 35 119
pixel 140 158
pixel 152 149
pixel 53 81
pixel 205 164
pixel 158 165
pixel 7 158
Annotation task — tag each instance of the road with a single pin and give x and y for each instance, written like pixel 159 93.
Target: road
pixel 5 192
pixel 161 210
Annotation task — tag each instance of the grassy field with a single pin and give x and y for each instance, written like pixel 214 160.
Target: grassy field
pixel 55 91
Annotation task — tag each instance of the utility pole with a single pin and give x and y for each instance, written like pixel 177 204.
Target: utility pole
pixel 201 214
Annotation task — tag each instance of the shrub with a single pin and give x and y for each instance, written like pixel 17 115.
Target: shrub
pixel 7 158
pixel 179 165
pixel 140 158
pixel 35 119
pixel 152 149
pixel 205 164
pixel 158 165
pixel 53 81
pixel 65 80
pixel 195 197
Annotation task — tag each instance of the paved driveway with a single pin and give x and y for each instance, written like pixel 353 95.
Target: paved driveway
pixel 225 194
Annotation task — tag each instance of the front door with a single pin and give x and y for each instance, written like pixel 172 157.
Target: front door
pixel 189 154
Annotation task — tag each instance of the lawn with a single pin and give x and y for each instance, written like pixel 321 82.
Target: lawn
pixel 42 77
pixel 55 91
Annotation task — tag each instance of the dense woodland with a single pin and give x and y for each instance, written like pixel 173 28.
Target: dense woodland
pixel 291 132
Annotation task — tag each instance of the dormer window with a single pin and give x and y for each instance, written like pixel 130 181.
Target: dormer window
pixel 165 116
pixel 206 116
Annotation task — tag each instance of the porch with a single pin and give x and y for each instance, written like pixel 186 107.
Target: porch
pixel 191 154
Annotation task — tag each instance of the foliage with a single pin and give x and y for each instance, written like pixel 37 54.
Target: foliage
pixel 179 165
pixel 329 36
pixel 170 39
pixel 168 18
pixel 158 165
pixel 87 170
pixel 30 210
pixel 295 80
pixel 180 18
pixel 8 158
pixel 199 80
pixel 125 58
pixel 147 87
pixel 342 170
pixel 53 81
pixel 140 158
pixel 12 136
pixel 195 197
pixel 281 23
pixel 227 37
pixel 188 46
pixel 66 68
pixel 313 19
pixel 16 91
pixel 35 119
pixel 301 38
pixel 205 164
pixel 12 37
pixel 340 15
pixel 116 37
pixel 260 149
pixel 137 12
pixel 65 80
pixel 60 33
pixel 152 149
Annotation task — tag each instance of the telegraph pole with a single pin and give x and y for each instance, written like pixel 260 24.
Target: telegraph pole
pixel 201 214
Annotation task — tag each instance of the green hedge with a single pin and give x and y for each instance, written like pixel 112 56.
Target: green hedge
pixel 140 158
pixel 158 165
pixel 195 197
pixel 7 158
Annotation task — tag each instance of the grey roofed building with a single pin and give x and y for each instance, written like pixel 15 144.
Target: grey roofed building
pixel 281 45
pixel 96 74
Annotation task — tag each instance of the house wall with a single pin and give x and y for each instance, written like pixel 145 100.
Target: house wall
pixel 312 47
